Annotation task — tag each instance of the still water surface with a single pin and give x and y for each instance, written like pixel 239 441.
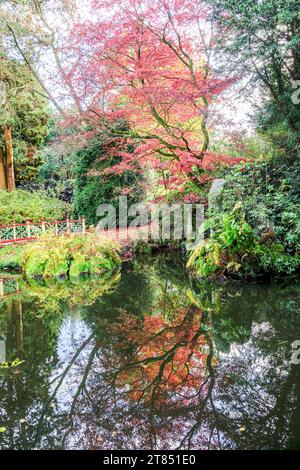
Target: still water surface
pixel 150 359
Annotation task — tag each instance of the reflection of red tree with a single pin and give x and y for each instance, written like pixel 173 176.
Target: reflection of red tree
pixel 169 359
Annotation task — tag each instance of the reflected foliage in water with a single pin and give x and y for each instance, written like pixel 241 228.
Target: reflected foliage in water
pixel 150 360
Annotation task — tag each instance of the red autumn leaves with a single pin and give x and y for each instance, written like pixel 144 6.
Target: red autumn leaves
pixel 143 63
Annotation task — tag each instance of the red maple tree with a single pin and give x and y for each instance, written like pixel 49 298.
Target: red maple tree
pixel 143 63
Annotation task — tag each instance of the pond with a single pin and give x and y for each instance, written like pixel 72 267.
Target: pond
pixel 150 359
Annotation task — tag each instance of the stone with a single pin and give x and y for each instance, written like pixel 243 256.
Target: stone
pixel 214 202
pixel 214 193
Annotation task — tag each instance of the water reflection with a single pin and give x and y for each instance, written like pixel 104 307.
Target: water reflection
pixel 150 360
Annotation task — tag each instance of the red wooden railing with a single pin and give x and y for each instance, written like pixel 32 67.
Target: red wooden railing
pixel 29 231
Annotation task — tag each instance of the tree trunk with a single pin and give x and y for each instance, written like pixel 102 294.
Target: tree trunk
pixel 203 127
pixel 10 174
pixel 3 184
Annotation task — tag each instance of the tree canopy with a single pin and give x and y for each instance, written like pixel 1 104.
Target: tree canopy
pixel 261 39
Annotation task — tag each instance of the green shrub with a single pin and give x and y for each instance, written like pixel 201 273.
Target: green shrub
pixel 70 256
pixel 93 187
pixel 79 265
pixel 19 205
pixel 233 242
pixel 235 248
pixel 270 195
pixel 258 231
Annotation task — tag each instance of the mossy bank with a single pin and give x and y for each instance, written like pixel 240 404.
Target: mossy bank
pixel 63 257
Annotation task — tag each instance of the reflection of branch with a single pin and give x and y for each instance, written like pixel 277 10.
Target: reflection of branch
pixel 62 377
pixel 185 335
pixel 82 386
pixel 189 435
pixel 84 379
pixel 159 382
